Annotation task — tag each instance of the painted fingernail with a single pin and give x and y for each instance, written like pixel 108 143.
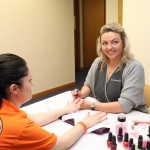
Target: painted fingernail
pixel 80 105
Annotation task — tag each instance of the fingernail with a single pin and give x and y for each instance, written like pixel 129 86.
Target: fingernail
pixel 80 105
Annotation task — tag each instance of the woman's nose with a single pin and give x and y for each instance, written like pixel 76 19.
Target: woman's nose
pixel 109 46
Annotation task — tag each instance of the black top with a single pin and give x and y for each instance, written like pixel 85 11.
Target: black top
pixel 107 91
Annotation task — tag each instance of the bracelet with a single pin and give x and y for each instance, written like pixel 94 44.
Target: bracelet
pixel 83 125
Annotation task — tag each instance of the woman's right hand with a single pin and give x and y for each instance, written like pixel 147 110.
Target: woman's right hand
pixel 94 119
pixel 76 94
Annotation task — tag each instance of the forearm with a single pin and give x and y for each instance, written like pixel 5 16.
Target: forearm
pixel 47 117
pixel 112 107
pixel 85 91
pixel 65 141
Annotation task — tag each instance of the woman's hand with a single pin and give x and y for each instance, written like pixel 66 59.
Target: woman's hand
pixel 94 119
pixel 74 105
pixel 76 94
pixel 86 105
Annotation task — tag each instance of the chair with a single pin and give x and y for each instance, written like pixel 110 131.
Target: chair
pixel 147 94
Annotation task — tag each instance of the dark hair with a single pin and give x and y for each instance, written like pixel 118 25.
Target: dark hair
pixel 12 69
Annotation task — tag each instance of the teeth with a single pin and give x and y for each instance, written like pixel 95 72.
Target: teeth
pixel 111 52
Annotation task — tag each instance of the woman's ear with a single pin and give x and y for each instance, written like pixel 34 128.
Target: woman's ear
pixel 13 88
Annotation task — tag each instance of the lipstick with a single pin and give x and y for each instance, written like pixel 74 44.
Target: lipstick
pixel 109 139
pixel 113 143
pixel 120 136
pixel 130 143
pixel 126 141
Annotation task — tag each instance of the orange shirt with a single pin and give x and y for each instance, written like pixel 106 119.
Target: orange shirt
pixel 19 133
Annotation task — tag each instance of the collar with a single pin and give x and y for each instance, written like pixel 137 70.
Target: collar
pixel 6 104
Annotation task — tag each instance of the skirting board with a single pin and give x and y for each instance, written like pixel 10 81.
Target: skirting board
pixel 50 91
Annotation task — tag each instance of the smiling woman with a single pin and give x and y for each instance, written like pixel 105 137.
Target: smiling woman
pixel 115 78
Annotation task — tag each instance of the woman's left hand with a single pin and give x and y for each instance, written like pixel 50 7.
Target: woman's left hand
pixel 74 105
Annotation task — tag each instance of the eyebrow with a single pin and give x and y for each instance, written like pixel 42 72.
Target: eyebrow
pixel 111 40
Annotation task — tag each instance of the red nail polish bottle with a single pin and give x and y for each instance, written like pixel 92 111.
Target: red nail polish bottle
pixel 126 141
pixel 113 143
pixel 109 139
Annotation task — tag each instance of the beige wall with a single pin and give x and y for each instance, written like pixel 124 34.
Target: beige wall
pixel 111 11
pixel 136 21
pixel 42 32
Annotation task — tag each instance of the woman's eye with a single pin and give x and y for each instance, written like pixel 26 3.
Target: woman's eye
pixel 115 42
pixel 104 43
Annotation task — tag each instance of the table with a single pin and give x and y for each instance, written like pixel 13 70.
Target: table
pixel 90 140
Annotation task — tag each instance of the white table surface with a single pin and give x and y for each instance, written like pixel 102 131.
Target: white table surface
pixel 88 141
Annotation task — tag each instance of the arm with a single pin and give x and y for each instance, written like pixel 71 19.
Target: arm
pixel 112 107
pixel 71 136
pixel 47 117
pixel 132 94
pixel 88 84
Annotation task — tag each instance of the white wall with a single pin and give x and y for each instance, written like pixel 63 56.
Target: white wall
pixel 42 32
pixel 136 21
pixel 111 11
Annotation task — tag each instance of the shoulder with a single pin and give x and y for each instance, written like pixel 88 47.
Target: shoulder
pixel 96 61
pixel 134 65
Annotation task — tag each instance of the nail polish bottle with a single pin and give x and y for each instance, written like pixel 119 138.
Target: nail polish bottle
pixel 133 147
pixel 148 132
pixel 130 143
pixel 109 139
pixel 126 141
pixel 140 144
pixel 113 143
pixel 145 139
pixel 121 122
pixel 148 145
pixel 120 136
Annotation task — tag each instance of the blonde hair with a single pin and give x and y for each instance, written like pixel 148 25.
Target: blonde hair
pixel 117 28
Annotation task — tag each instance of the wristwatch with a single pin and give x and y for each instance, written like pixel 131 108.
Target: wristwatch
pixel 93 106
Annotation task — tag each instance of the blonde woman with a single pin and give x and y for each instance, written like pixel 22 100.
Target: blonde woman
pixel 115 78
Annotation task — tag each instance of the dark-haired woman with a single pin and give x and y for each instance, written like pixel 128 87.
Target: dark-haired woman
pixel 21 131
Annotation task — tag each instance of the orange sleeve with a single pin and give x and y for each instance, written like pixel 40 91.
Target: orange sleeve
pixel 36 138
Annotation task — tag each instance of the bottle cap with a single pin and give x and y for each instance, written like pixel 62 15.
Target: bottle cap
pixel 140 143
pixel 120 131
pixel 130 142
pixel 121 118
pixel 133 147
pixel 126 137
pixel 113 141
pixel 148 145
pixel 109 136
pixel 140 137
